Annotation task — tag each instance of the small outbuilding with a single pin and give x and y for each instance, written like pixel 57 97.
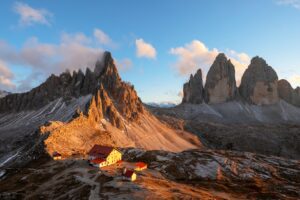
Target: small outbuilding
pixel 129 175
pixel 98 162
pixel 140 166
pixel 56 156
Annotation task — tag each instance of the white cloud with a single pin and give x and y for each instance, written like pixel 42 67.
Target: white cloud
pixel 294 80
pixel 195 55
pixel 73 52
pixel 144 49
pixel 124 64
pixel 6 77
pixel 30 16
pixel 102 37
pixel 293 3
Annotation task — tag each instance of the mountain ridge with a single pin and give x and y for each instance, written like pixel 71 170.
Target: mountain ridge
pixel 259 85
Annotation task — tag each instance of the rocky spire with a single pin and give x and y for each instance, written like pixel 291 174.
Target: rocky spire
pixel 259 83
pixel 220 83
pixel 193 90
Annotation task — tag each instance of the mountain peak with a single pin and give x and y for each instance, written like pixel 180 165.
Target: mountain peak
pixel 259 83
pixel 105 61
pixel 259 61
pixel 221 57
pixel 220 83
pixel 193 90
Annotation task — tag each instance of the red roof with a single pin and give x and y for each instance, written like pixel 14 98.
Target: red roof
pixel 97 161
pixel 128 173
pixel 140 164
pixel 100 151
pixel 120 161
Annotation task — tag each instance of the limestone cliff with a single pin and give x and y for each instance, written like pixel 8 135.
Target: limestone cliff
pixel 193 90
pixel 220 83
pixel 287 93
pixel 259 83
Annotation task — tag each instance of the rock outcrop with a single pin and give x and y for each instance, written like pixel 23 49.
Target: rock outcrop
pixel 220 83
pixel 193 90
pixel 259 83
pixel 287 93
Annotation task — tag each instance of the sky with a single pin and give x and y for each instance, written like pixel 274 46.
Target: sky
pixel 156 44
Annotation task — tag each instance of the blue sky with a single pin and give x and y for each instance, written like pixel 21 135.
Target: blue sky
pixel 156 43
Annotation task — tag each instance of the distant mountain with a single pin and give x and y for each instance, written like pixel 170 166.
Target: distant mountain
pixel 4 93
pixel 259 85
pixel 161 104
pixel 262 115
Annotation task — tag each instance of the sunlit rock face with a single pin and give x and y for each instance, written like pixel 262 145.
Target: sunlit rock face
pixel 193 90
pixel 220 83
pixel 259 83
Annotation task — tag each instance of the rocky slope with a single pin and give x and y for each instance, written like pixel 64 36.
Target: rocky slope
pixel 193 174
pixel 269 130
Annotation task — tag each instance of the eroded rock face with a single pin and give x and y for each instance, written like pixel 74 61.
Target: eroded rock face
pixel 127 101
pixel 297 96
pixel 193 90
pixel 259 83
pixel 220 83
pixel 286 91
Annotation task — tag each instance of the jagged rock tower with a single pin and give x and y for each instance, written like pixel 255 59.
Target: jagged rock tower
pixel 220 83
pixel 193 90
pixel 259 83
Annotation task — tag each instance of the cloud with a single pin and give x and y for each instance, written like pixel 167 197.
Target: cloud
pixel 73 52
pixel 102 37
pixel 180 94
pixel 144 49
pixel 195 55
pixel 294 80
pixel 124 64
pixel 293 3
pixel 6 77
pixel 30 16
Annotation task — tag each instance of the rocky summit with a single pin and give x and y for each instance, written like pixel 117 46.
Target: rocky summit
pixel 193 90
pixel 220 83
pixel 259 83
